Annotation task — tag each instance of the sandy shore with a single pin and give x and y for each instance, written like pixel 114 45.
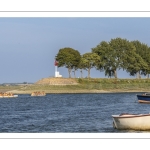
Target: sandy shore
pixel 79 91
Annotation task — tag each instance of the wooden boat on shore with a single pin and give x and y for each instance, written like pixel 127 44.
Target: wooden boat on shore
pixel 131 121
pixel 144 98
pixel 38 93
pixel 7 95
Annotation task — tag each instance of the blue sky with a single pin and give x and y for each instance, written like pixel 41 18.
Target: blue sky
pixel 28 46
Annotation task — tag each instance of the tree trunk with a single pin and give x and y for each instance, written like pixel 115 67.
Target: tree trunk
pixel 81 73
pixel 74 73
pixel 69 71
pixel 138 75
pixel 115 74
pixel 147 76
pixel 89 72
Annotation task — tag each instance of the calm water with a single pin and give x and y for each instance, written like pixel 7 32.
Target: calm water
pixel 61 113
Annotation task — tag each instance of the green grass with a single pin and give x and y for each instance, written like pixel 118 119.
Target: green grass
pixel 88 84
pixel 9 87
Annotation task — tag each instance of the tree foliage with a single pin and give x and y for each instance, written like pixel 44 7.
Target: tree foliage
pixel 90 60
pixel 69 58
pixel 144 52
pixel 114 55
pixel 82 66
pixel 111 56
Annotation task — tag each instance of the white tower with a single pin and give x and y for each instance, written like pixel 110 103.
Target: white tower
pixel 56 72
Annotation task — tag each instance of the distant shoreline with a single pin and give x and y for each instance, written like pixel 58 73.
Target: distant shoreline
pixel 71 85
pixel 79 91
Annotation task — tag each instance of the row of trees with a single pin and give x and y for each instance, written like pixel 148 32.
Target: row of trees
pixel 118 53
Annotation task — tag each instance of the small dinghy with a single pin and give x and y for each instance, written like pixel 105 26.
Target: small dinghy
pixel 131 121
pixel 144 98
pixel 7 95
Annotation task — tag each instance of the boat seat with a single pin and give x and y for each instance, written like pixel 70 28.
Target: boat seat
pixel 126 114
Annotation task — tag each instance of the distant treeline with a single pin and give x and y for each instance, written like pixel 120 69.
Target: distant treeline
pixel 24 83
pixel 116 54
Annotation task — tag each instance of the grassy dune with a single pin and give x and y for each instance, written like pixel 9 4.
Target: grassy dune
pixel 92 85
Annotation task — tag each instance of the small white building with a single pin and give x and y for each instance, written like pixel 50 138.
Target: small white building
pixel 57 74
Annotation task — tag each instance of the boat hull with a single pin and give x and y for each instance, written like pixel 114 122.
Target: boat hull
pixel 8 96
pixel 133 122
pixel 143 98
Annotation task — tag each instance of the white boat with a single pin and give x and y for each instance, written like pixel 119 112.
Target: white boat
pixel 8 96
pixel 132 121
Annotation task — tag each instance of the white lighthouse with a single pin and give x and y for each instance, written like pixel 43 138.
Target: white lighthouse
pixel 56 72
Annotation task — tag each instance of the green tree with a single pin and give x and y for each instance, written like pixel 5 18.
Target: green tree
pixel 77 58
pixel 102 50
pixel 82 66
pixel 114 55
pixel 69 58
pixel 147 53
pixel 144 51
pixel 90 60
pixel 136 64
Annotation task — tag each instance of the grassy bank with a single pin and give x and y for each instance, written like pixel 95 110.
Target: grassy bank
pixel 91 85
